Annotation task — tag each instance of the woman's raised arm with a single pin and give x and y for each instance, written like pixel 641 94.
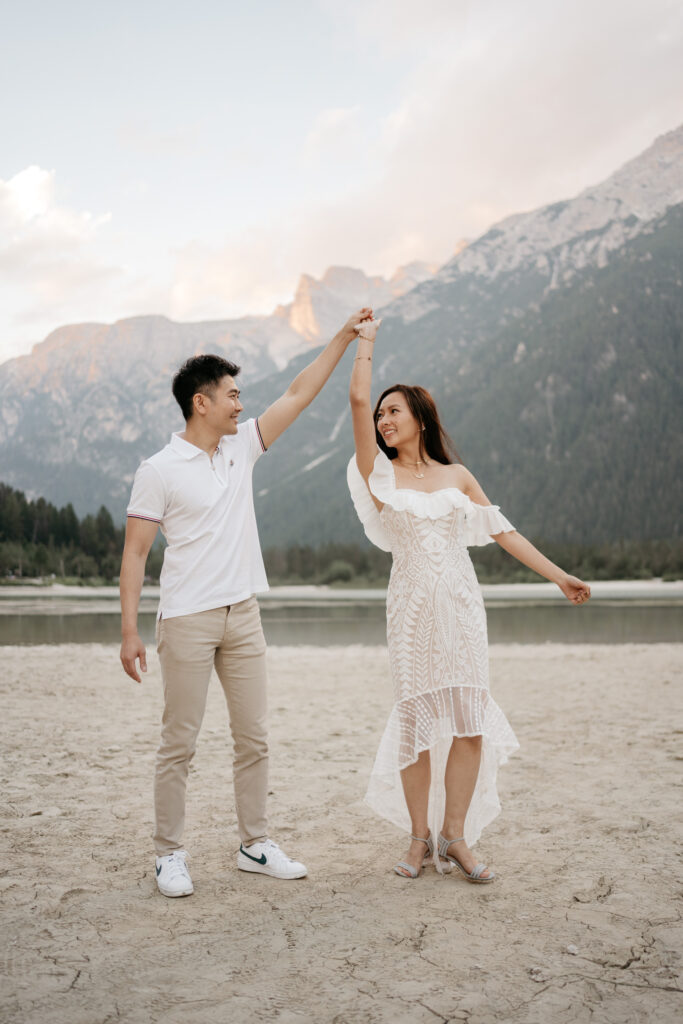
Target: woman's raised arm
pixel 359 396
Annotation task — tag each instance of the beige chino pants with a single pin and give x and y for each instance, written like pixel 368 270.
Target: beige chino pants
pixel 231 640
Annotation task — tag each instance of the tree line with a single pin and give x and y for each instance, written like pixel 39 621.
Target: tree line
pixel 38 540
pixel 366 566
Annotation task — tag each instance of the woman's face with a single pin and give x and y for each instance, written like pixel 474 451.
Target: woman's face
pixel 395 421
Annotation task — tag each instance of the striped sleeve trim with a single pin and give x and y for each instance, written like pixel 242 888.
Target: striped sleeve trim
pixel 137 515
pixel 258 431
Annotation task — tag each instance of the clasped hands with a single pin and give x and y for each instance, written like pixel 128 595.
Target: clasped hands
pixel 361 325
pixel 367 329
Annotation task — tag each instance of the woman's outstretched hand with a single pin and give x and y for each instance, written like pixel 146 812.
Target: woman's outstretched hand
pixel 575 590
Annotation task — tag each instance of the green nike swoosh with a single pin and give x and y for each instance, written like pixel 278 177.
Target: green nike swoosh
pixel 158 872
pixel 257 860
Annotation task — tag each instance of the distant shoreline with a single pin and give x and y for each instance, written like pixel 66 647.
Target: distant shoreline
pixel 494 593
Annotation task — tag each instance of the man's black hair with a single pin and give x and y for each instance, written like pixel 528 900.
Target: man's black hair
pixel 200 374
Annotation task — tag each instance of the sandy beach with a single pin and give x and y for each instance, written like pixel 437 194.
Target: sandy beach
pixel 583 923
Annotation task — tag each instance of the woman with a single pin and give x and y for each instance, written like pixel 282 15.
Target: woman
pixel 416 502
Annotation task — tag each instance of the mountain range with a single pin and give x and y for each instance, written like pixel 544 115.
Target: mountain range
pixel 552 345
pixel 79 413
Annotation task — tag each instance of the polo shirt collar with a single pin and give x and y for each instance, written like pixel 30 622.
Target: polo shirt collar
pixel 184 448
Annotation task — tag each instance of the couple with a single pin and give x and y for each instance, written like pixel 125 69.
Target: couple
pixel 413 500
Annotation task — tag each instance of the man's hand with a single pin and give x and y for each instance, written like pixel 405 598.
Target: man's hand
pixel 349 329
pixel 132 648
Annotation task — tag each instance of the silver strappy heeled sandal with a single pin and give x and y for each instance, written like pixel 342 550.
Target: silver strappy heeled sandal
pixel 410 871
pixel 475 875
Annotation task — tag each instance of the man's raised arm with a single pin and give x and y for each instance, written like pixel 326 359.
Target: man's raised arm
pixel 306 385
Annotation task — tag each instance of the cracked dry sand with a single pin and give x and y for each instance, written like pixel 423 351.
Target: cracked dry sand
pixel 584 923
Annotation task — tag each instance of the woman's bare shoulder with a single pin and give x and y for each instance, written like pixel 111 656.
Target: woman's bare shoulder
pixel 460 475
pixel 467 482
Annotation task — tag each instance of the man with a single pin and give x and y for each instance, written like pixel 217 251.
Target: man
pixel 199 490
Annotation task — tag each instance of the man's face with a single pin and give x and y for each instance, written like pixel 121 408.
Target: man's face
pixel 223 406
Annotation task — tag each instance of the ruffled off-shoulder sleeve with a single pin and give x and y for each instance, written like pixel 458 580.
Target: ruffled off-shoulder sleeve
pixel 366 510
pixel 480 522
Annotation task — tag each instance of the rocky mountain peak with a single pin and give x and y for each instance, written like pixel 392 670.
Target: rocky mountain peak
pixel 609 214
pixel 320 306
pixel 647 185
pixel 560 239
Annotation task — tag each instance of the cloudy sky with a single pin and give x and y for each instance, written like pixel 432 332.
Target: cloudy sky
pixel 194 159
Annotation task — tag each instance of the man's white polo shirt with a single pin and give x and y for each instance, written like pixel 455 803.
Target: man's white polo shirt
pixel 205 507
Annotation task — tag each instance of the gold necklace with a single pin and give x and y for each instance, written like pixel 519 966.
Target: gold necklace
pixel 418 476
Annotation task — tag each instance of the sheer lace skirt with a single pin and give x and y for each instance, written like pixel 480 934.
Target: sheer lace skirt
pixel 430 721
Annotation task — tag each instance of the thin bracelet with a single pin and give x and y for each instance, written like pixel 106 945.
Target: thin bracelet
pixel 362 357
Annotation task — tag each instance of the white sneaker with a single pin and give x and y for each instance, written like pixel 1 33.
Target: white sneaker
pixel 173 878
pixel 267 858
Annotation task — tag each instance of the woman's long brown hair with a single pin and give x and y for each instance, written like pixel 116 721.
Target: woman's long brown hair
pixel 434 441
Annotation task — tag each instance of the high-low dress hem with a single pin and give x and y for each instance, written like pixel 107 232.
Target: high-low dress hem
pixel 385 790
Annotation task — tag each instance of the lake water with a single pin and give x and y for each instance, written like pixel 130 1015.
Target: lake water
pixel 325 623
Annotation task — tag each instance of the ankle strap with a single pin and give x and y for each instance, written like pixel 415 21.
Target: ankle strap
pixel 445 843
pixel 419 839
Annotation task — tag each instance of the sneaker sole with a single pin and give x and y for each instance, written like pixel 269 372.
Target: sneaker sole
pixel 263 869
pixel 172 895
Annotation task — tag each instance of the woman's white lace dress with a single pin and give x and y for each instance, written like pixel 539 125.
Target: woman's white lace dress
pixel 437 639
